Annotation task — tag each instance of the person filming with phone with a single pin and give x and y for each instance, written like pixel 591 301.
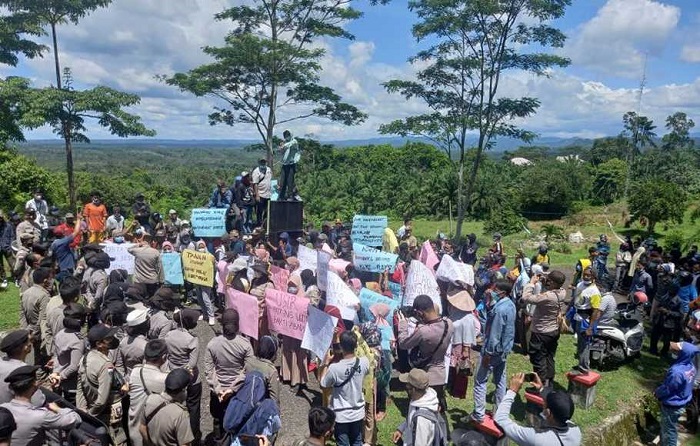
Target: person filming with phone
pixel 556 429
pixel 427 343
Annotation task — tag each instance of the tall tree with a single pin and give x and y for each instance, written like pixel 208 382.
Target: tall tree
pixel 640 132
pixel 70 115
pixel 656 202
pixel 678 136
pixel 267 73
pixel 471 44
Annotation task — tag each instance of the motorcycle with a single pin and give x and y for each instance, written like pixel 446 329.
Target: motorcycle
pixel 622 338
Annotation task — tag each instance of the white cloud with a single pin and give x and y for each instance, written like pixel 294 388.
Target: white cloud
pixel 622 32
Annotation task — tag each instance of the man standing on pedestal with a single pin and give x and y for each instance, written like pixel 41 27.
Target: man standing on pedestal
pixel 292 155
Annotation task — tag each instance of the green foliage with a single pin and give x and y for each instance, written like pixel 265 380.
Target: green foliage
pixel 561 247
pixel 13 101
pixel 551 232
pixel 609 181
pixel 507 221
pixel 553 186
pixel 679 127
pixel 56 11
pixel 15 32
pixel 606 149
pixel 19 176
pixel 657 202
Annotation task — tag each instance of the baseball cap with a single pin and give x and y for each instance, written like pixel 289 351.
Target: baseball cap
pixel 172 211
pixel 69 215
pixel 560 405
pixel 417 378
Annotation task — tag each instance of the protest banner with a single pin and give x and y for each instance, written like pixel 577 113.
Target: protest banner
pixel 280 277
pixel 373 260
pixel 369 298
pixel 451 270
pixel 428 256
pixel 340 295
pixel 323 261
pixel 396 291
pixel 319 331
pixel 208 222
pixel 368 229
pixel 421 280
pixel 307 258
pixel 248 312
pixel 198 267
pixel 172 268
pixel 286 313
pixel 119 257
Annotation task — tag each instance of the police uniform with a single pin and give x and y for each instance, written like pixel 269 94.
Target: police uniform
pixel 166 418
pixel 33 318
pixel 99 386
pixel 69 348
pixel 145 380
pixel 54 320
pixel 160 325
pixel 35 421
pixel 11 342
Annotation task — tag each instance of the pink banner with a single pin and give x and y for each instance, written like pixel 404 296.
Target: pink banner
pixel 247 307
pixel 428 256
pixel 286 313
pixel 280 277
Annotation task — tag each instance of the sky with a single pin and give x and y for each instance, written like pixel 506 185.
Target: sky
pixel 126 45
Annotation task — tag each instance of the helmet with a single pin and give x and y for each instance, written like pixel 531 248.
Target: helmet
pixel 640 297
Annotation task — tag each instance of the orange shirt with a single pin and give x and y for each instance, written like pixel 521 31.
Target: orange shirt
pixel 96 216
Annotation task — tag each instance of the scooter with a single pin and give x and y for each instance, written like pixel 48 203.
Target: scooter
pixel 621 339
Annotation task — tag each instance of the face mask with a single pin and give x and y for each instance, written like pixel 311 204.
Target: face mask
pixel 119 239
pixel 292 290
pixel 96 201
pixel 202 249
pixel 37 197
pixel 113 343
pixel 674 356
pixel 586 282
pixel 543 415
pixel 495 297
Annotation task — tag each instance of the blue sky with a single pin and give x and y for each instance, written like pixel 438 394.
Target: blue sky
pixel 126 45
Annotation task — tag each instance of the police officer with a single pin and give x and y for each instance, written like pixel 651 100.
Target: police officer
pixel 69 348
pixel 16 346
pixel 34 421
pixel 183 352
pixel 131 347
pixel 100 386
pixel 7 426
pixel 146 379
pixel 69 291
pixel 33 312
pixel 166 422
pixel 161 304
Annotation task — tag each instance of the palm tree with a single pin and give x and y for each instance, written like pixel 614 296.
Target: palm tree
pixel 551 230
pixel 640 131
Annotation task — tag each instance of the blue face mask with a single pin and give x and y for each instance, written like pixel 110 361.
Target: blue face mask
pixel 495 297
pixel 118 239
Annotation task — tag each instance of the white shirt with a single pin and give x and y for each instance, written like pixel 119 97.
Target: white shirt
pixel 113 223
pixel 263 182
pixel 41 208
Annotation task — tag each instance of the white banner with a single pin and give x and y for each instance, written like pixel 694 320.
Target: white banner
pixel 340 295
pixel 307 258
pixel 421 280
pixel 451 270
pixel 318 335
pixel 119 257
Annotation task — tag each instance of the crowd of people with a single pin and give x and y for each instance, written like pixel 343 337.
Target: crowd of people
pixel 121 350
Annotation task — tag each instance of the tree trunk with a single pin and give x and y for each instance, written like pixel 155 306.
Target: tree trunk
pixel 472 177
pixel 55 55
pixel 271 119
pixel 650 227
pixel 460 199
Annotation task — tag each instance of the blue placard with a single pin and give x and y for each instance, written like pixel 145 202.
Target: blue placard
pixel 368 229
pixel 396 291
pixel 373 260
pixel 209 222
pixel 369 298
pixel 172 268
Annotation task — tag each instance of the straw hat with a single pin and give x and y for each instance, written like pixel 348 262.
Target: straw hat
pixel 461 299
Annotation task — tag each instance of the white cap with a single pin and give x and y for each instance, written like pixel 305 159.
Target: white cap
pixel 136 317
pixel 184 222
pixel 244 173
pixel 172 211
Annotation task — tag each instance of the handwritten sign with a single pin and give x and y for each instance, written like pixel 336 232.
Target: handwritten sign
pixel 172 267
pixel 280 277
pixel 209 222
pixel 199 267
pixel 428 256
pixel 373 260
pixel 369 298
pixel 420 280
pixel 396 291
pixel 368 229
pixel 119 257
pixel 307 258
pixel 286 313
pixel 340 295
pixel 319 331
pixel 451 270
pixel 247 307
pixel 323 261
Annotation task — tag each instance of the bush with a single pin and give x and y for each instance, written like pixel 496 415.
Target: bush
pixel 561 247
pixel 507 221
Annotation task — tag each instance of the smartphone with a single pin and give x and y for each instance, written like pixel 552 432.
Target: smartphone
pixel 248 440
pixel 530 377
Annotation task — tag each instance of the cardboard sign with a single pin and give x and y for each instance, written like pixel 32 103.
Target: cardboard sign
pixel 421 280
pixel 368 229
pixel 451 270
pixel 369 298
pixel 307 258
pixel 286 313
pixel 373 260
pixel 323 261
pixel 119 257
pixel 340 295
pixel 172 268
pixel 247 307
pixel 280 277
pixel 428 256
pixel 396 291
pixel 319 331
pixel 198 267
pixel 208 222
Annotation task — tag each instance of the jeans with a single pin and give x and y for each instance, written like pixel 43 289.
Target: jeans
pixel 497 367
pixel 204 298
pixel 349 434
pixel 287 181
pixel 583 348
pixel 543 348
pixel 669 427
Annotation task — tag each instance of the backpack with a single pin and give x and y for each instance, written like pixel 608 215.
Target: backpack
pixel 265 420
pixel 241 407
pixel 440 437
pixel 248 195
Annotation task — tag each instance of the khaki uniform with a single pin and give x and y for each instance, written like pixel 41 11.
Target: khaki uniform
pixel 33 422
pixel 145 380
pixel 130 354
pixel 33 318
pixel 54 320
pixel 99 392
pixel 161 324
pixel 68 350
pixel 7 366
pixel 169 423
